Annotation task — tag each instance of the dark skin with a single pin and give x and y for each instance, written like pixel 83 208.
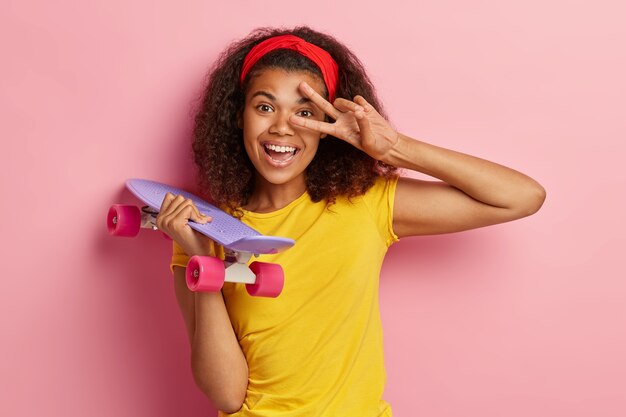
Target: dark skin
pixel 472 192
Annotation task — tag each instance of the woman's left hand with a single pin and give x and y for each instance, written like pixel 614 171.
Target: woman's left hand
pixel 356 122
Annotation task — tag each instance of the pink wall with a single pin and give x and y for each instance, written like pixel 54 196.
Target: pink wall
pixel 521 319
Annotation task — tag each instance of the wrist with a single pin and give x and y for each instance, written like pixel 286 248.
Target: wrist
pixel 398 154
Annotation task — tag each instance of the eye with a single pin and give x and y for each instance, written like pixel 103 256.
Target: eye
pixel 264 108
pixel 306 113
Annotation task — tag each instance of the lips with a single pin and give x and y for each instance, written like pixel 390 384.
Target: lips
pixel 279 154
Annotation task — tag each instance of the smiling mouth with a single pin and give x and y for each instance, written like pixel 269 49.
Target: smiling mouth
pixel 280 154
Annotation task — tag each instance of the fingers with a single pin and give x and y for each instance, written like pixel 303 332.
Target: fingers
pixel 167 201
pixel 319 101
pixel 347 105
pixel 323 127
pixel 367 137
pixel 188 211
pixel 176 211
pixel 366 106
pixel 340 105
pixel 350 116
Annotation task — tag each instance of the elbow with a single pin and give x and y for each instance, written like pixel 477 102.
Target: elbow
pixel 532 201
pixel 225 394
pixel 230 407
pixel 537 199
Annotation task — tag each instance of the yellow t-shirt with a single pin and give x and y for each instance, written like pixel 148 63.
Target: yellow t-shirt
pixel 317 349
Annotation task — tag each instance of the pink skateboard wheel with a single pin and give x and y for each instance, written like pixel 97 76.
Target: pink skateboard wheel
pixel 205 273
pixel 270 280
pixel 123 220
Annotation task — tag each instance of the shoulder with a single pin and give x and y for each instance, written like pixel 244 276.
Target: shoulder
pixel 383 189
pixel 379 200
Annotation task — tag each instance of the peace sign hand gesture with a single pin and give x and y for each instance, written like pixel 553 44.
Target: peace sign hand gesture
pixel 356 122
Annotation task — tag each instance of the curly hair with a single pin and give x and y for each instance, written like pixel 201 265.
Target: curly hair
pixel 337 169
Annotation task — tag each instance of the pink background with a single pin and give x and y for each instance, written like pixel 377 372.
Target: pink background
pixel 520 319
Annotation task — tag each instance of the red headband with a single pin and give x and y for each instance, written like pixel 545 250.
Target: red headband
pixel 324 61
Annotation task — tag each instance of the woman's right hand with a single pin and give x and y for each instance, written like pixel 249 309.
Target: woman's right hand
pixel 173 219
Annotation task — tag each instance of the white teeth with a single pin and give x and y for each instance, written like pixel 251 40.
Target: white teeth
pixel 280 148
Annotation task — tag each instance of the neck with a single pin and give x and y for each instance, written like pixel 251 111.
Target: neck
pixel 268 197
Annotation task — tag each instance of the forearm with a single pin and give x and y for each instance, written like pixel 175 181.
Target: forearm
pixel 483 180
pixel 186 302
pixel 217 362
pixel 219 366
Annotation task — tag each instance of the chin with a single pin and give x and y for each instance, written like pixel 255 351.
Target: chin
pixel 280 178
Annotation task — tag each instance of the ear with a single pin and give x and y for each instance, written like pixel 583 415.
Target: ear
pixel 323 135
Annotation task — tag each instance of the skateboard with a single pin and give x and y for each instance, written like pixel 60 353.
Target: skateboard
pixel 206 273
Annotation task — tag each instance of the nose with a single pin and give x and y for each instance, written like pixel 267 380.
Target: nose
pixel 280 124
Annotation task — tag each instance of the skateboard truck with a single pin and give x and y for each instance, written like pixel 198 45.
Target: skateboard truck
pixel 148 218
pixel 237 270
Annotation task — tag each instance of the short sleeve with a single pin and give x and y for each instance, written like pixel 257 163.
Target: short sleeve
pixel 179 257
pixel 379 200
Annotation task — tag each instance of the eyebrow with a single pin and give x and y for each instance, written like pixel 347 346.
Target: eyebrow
pixel 301 100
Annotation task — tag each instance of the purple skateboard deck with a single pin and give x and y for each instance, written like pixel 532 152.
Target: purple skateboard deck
pixel 223 229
